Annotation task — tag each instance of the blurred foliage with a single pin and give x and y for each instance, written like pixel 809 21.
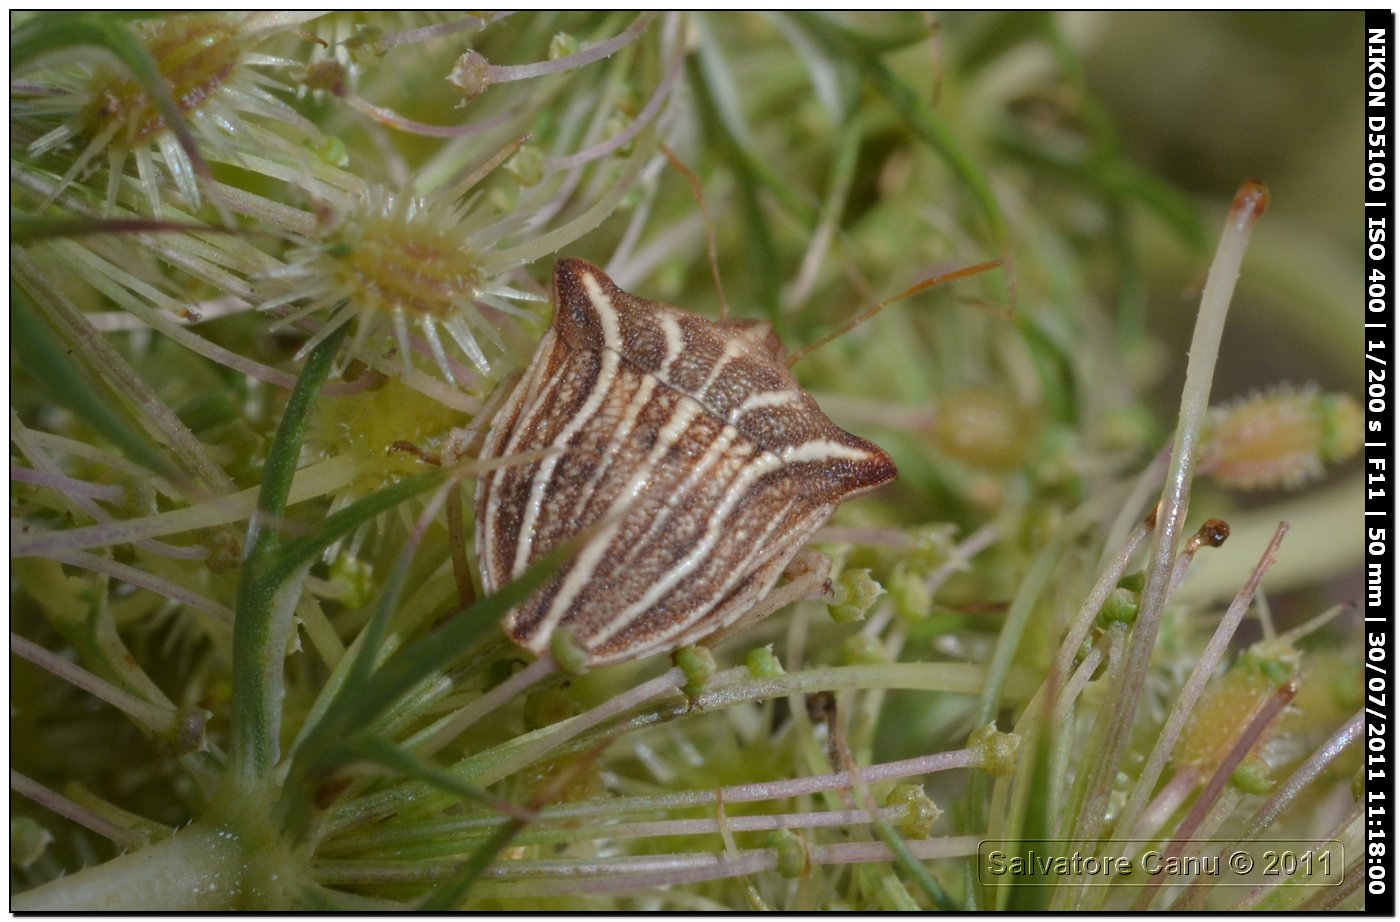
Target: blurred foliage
pixel 404 180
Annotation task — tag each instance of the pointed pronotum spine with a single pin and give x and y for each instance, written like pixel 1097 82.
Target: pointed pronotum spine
pixel 686 444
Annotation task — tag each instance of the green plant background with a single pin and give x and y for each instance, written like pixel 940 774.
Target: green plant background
pixel 1094 154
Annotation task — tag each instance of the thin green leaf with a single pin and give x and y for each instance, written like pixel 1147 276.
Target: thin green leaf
pixel 750 174
pixel 366 694
pixel 360 703
pixel 911 864
pixel 56 31
pixel 450 895
pixel 718 97
pixel 27 229
pixel 68 384
pixel 390 755
pixel 304 549
pixel 991 37
pixel 258 634
pixel 1036 824
pixel 317 749
pixel 916 115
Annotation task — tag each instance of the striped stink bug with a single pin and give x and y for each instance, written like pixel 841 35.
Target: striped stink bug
pixel 691 447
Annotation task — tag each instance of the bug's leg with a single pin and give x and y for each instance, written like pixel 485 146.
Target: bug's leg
pixel 807 566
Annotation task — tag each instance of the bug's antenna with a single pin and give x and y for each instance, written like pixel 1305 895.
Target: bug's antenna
pixel 878 306
pixel 699 195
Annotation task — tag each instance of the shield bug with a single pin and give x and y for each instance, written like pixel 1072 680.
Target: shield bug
pixel 687 443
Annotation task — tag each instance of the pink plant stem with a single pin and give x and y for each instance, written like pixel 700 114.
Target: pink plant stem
pixel 33 790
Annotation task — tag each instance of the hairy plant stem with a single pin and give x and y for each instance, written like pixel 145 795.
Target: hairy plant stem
pixel 1193 689
pixel 1248 206
pixel 267 594
pixel 189 871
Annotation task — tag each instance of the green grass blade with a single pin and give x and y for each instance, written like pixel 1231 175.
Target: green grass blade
pixel 66 382
pixel 262 614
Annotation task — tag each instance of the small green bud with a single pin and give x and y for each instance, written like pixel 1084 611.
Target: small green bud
pixel 763 663
pixel 792 852
pixel 571 658
pixel 329 75
pixel 998 750
pixel 365 46
pixel 527 165
pixel 186 733
pixel 912 599
pixel 863 650
pixel 1120 607
pixel 1276 669
pixel 1279 438
pixel 332 151
pixel 984 428
pixel 471 75
pixel 505 196
pixel 225 550
pixel 930 546
pixel 28 840
pixel 698 664
pixel 1252 777
pixel 918 813
pixel 1224 711
pixel 1342 423
pixel 1134 582
pixel 562 45
pixel 853 594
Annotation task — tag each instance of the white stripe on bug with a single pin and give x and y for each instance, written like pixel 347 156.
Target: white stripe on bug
pixel 527 390
pixel 762 399
pixel 733 349
pixel 738 489
pixel 675 344
pixel 693 630
pixel 580 574
pixel 626 425
pixel 713 455
pixel 607 371
pixel 612 339
pixel 821 450
pixel 607 314
pixel 706 607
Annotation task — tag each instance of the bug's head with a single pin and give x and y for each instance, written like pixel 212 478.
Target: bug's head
pixel 578 286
